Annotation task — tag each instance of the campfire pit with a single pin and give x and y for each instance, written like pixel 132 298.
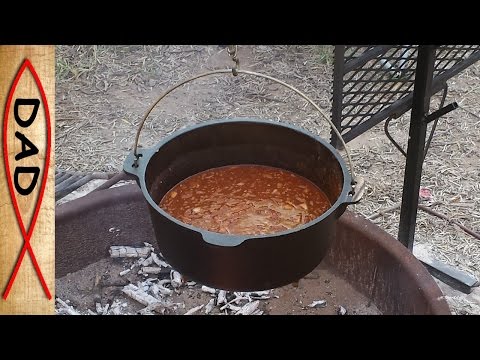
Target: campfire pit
pixel 371 262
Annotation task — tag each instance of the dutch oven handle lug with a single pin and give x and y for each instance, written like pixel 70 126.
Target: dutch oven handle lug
pixel 356 194
pixel 222 240
pixel 137 154
pixel 136 162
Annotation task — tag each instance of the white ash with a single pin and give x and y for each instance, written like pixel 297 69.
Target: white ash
pixel 151 270
pixel 147 311
pixel 239 296
pixel 139 295
pixel 341 311
pixel 128 251
pixel 176 279
pixel 249 308
pixel 222 297
pixel 125 272
pixel 208 289
pixel 64 308
pixel 164 282
pixel 209 307
pixel 260 293
pixel 318 304
pixel 153 283
pixel 105 309
pixel 116 308
pixel 162 290
pixel 147 262
pixel 159 307
pixel 194 310
pixel 158 261
pixel 231 307
pixel 99 308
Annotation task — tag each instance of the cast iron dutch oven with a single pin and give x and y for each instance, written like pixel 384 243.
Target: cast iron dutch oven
pixel 241 262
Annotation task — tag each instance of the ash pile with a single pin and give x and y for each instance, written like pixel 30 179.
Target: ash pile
pixel 153 283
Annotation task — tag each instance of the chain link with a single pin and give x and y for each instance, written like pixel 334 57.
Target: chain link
pixel 232 51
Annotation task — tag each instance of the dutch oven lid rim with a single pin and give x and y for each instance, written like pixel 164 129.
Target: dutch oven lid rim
pixel 228 239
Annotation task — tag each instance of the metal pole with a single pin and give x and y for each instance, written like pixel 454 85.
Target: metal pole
pixel 416 144
pixel 338 72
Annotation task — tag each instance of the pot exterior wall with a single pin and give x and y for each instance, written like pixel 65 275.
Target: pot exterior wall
pixel 255 264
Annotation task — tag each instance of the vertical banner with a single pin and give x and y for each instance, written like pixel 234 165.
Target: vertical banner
pixel 27 173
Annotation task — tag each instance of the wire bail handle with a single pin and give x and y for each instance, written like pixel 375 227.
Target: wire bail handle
pixel 235 71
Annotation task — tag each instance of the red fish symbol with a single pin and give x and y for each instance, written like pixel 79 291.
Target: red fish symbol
pixel 17 191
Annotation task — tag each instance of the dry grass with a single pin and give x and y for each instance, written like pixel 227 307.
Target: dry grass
pixel 103 92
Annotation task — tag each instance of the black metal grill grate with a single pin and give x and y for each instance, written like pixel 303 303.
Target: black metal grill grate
pixel 449 55
pixel 372 83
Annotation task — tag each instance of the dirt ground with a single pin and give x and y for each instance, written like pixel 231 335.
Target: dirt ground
pixel 104 91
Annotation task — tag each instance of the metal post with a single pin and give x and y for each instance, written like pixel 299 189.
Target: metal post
pixel 338 72
pixel 416 144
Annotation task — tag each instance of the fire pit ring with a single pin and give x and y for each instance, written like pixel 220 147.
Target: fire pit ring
pixel 367 257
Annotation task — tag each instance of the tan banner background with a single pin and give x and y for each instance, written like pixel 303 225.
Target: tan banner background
pixel 27 295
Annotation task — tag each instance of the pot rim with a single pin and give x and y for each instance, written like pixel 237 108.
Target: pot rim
pixel 221 239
